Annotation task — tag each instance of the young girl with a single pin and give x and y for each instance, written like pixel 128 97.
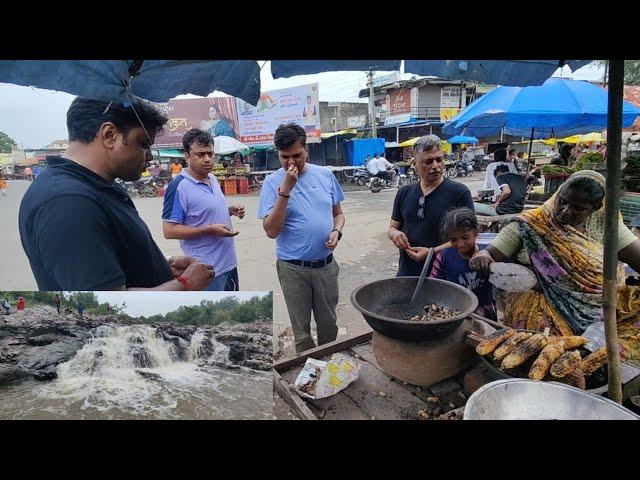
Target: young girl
pixel 460 227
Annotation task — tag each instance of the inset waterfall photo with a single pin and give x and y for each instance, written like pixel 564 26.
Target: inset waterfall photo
pixel 136 355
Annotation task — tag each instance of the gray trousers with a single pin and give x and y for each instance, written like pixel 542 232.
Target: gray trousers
pixel 310 289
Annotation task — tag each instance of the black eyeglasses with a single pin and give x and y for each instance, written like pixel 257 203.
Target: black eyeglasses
pixel 421 207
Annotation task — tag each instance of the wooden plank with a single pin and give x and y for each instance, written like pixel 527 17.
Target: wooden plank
pixel 493 323
pixel 366 352
pixel 292 399
pixel 321 351
pixel 397 402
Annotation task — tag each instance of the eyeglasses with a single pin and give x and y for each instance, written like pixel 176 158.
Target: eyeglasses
pixel 421 201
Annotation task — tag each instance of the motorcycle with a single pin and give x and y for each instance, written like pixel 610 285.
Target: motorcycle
pixel 376 184
pixel 359 177
pixel 459 167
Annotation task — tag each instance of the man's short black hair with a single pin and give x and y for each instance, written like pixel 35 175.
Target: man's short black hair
pixel 565 150
pixel 195 135
pixel 85 116
pixel 500 155
pixel 501 169
pixel 288 135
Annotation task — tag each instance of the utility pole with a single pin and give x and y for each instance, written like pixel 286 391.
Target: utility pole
pixel 372 111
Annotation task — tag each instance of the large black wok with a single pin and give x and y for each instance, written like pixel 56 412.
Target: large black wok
pixel 369 298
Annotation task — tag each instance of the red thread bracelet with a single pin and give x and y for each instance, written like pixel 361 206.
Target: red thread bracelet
pixel 184 281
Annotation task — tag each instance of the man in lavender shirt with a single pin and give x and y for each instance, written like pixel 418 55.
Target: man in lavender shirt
pixel 196 213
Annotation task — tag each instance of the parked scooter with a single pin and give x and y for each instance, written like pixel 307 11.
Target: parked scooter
pixel 459 167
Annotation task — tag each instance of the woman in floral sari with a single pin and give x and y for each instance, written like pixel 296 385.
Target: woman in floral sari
pixel 561 241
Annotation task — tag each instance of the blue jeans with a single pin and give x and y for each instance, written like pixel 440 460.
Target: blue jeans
pixel 225 282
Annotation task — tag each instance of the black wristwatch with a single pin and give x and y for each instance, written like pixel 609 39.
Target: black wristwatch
pixel 339 233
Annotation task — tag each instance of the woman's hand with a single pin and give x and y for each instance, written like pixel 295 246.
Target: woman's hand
pixel 482 261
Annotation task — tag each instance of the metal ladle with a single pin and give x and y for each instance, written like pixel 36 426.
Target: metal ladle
pixel 423 274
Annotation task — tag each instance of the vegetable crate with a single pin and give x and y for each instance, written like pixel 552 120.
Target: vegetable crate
pixel 229 186
pixel 553 182
pixel 630 206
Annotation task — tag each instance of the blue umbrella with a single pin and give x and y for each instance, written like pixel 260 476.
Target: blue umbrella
pixel 290 68
pixel 501 72
pixel 558 108
pixel 462 139
pixel 155 80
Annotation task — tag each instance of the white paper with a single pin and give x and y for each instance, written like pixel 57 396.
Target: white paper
pixel 329 377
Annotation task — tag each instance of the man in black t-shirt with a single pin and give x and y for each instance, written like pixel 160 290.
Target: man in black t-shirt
pixel 79 229
pixel 418 208
pixel 513 189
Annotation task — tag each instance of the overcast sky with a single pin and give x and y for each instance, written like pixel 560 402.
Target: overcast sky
pixel 34 117
pixel 153 303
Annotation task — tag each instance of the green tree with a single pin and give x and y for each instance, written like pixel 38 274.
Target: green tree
pixel 631 71
pixel 6 143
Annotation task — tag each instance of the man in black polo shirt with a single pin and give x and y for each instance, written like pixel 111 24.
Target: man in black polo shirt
pixel 513 189
pixel 418 208
pixel 79 229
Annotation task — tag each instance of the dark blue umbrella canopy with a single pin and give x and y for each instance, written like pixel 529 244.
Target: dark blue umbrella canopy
pixel 155 80
pixel 501 72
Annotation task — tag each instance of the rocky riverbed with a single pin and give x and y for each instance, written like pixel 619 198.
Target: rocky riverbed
pixel 55 366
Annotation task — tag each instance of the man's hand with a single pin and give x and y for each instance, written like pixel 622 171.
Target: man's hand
pixel 199 275
pixel 237 210
pixel 221 230
pixel 417 254
pixel 290 179
pixel 333 240
pixel 400 240
pixel 482 261
pixel 179 264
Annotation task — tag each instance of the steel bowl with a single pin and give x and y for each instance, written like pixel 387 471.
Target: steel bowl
pixel 519 399
pixel 369 298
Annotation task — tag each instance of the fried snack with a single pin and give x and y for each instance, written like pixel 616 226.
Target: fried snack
pixel 490 343
pixel 524 351
pixel 571 341
pixel 511 343
pixel 575 379
pixel 566 364
pixel 547 357
pixel 594 361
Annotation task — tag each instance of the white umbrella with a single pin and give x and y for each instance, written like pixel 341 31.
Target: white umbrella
pixel 224 145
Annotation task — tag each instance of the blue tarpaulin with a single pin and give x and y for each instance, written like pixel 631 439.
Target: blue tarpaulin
pixel 462 139
pixel 559 108
pixel 358 149
pixel 155 80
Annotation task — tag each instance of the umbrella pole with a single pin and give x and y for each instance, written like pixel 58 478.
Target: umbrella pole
pixel 612 194
pixel 529 154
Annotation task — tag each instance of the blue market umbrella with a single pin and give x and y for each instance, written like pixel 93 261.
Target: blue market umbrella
pixel 558 108
pixel 462 139
pixel 155 80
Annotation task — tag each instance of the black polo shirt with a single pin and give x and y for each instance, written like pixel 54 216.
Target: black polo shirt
pixel 82 233
pixel 426 232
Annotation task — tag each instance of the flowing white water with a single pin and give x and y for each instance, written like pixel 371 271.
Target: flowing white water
pixel 132 372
